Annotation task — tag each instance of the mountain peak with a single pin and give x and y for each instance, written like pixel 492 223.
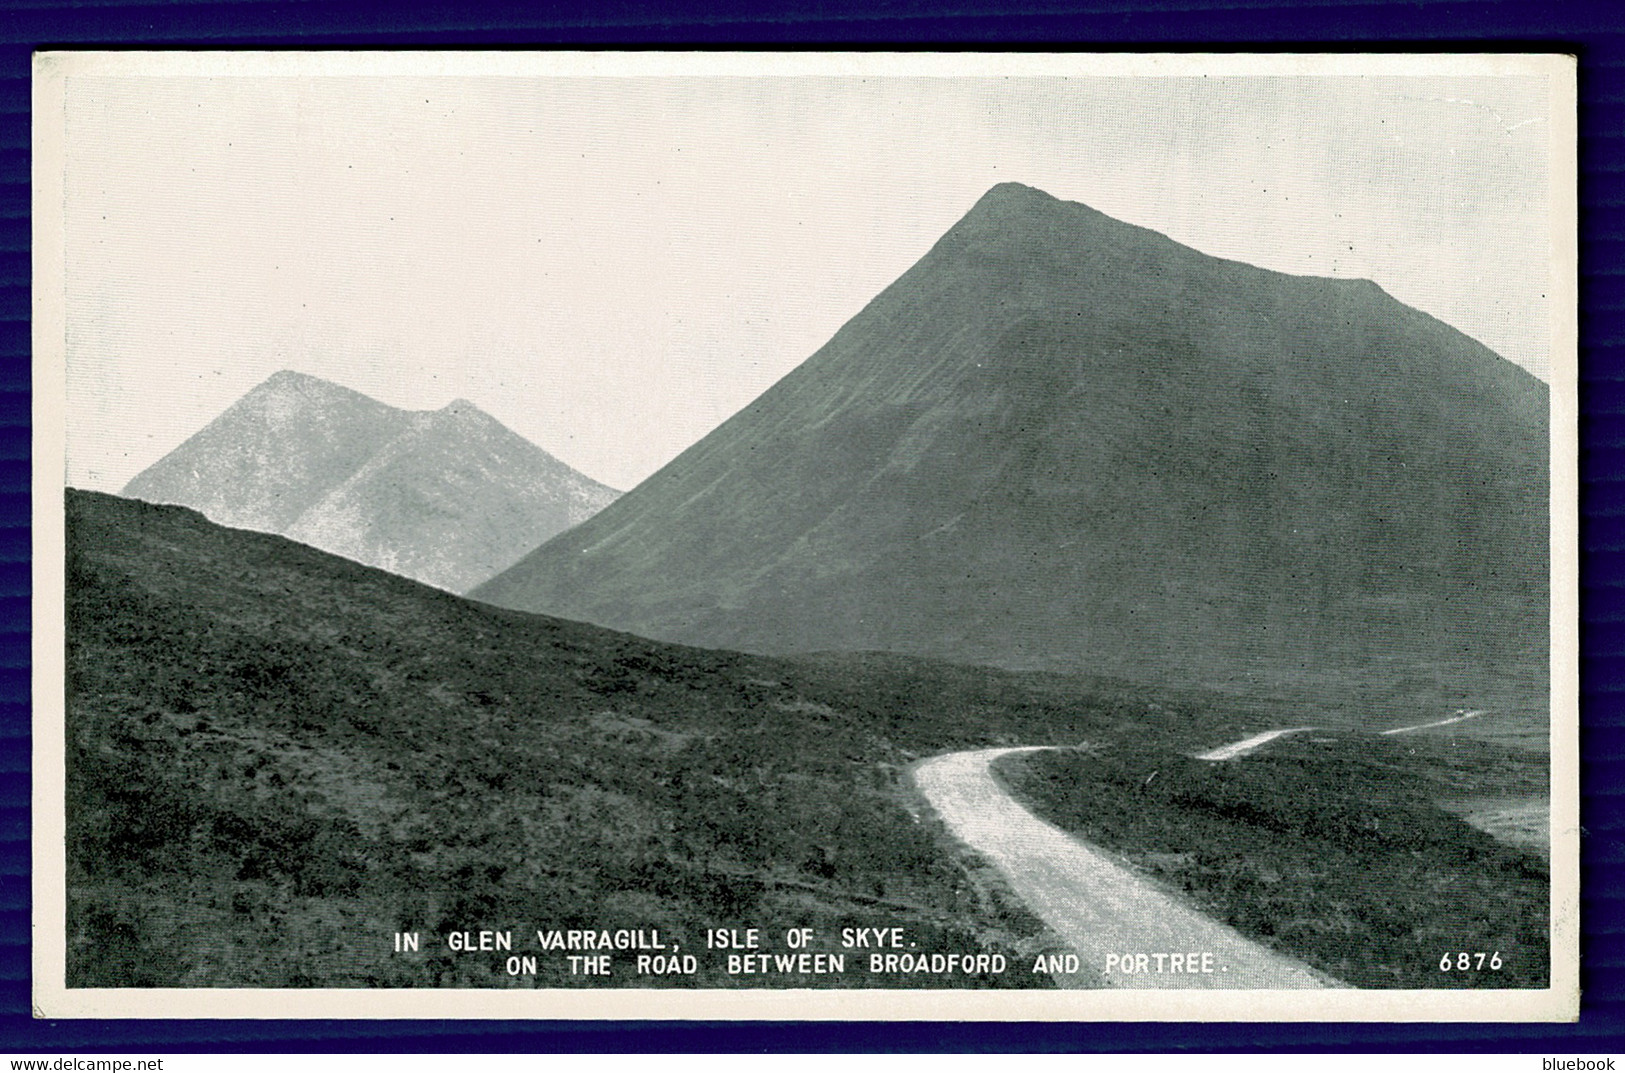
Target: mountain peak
pixel 447 496
pixel 1065 440
pixel 289 378
pixel 1022 220
pixel 284 387
pixel 1017 193
pixel 1006 202
pixel 1018 199
pixel 463 414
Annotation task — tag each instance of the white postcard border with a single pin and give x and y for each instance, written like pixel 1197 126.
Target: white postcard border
pixel 53 999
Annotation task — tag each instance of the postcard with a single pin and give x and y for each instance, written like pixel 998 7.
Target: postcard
pixel 805 536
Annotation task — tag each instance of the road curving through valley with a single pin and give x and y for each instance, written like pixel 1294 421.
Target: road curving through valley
pixel 1124 929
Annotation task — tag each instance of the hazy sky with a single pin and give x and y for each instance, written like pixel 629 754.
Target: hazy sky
pixel 612 266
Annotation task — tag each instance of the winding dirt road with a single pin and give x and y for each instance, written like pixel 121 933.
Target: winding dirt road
pixel 1116 920
pixel 1457 718
pixel 1247 745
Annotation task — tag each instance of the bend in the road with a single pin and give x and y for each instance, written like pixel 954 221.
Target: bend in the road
pixel 1104 911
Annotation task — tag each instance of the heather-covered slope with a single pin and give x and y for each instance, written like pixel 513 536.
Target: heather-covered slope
pixel 276 758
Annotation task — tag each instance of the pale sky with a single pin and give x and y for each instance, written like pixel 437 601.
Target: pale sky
pixel 612 266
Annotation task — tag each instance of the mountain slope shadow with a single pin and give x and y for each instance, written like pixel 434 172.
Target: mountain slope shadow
pixel 1061 441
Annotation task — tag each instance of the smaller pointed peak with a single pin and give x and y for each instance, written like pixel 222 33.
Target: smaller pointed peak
pixel 290 380
pixel 288 388
pixel 462 412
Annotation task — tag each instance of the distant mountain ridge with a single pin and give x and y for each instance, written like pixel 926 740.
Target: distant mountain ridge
pixel 1064 441
pixel 449 497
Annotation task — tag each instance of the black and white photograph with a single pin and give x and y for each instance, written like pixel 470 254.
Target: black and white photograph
pixel 815 535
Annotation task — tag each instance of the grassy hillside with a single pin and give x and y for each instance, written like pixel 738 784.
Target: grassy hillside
pixel 1329 849
pixel 278 758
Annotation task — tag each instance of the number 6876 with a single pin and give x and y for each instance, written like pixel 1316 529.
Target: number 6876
pixel 1462 961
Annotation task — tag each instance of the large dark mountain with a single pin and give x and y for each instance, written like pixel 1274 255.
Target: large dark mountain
pixel 1063 441
pixel 449 496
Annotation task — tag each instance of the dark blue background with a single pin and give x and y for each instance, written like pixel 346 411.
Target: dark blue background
pixel 1595 32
